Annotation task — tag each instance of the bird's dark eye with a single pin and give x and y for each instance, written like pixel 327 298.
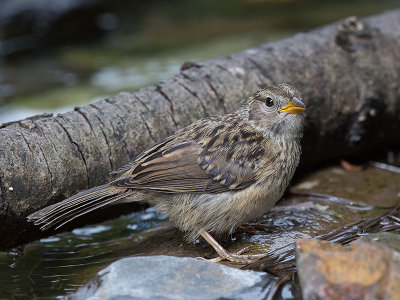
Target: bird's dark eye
pixel 269 102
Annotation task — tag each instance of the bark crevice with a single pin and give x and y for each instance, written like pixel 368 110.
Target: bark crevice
pixel 44 135
pixel 27 143
pixel 221 101
pixel 141 102
pixel 48 168
pixel 103 134
pixel 171 105
pixel 194 94
pixel 118 110
pixel 44 158
pixel 78 110
pixel 76 147
pixel 148 129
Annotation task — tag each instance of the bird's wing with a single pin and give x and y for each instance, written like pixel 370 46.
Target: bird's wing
pixel 148 152
pixel 189 167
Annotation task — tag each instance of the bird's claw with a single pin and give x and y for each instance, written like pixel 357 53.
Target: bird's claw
pixel 238 257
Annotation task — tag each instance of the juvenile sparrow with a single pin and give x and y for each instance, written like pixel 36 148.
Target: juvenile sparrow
pixel 211 176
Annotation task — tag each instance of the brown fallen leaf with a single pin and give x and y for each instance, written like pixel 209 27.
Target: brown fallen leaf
pixel 349 166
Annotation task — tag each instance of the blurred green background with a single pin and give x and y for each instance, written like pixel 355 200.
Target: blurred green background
pixel 57 54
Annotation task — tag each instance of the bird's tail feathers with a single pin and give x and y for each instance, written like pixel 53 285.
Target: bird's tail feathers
pixel 65 211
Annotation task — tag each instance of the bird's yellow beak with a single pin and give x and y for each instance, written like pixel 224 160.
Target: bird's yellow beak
pixel 295 106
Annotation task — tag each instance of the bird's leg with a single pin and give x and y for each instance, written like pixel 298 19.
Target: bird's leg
pixel 223 254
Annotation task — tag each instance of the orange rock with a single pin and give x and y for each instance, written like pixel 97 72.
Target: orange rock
pixel 364 270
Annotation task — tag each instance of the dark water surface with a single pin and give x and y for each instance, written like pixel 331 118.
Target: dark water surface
pixel 60 264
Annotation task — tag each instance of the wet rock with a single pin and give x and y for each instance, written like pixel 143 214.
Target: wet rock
pixel 169 277
pixel 364 270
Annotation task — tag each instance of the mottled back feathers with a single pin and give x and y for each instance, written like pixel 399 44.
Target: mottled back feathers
pixel 224 161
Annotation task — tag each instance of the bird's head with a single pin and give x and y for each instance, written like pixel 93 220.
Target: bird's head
pixel 276 110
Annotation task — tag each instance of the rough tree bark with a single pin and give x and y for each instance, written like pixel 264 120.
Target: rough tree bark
pixel 348 73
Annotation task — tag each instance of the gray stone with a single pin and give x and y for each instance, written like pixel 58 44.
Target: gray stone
pixel 169 277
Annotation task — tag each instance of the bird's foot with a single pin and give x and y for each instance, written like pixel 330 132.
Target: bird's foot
pixel 225 255
pixel 237 257
pixel 231 256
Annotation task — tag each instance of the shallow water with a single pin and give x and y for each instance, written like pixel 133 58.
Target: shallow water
pixel 59 264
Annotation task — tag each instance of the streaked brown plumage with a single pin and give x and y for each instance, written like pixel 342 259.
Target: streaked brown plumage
pixel 211 176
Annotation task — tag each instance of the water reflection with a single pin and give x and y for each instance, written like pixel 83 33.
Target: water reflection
pixel 59 264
